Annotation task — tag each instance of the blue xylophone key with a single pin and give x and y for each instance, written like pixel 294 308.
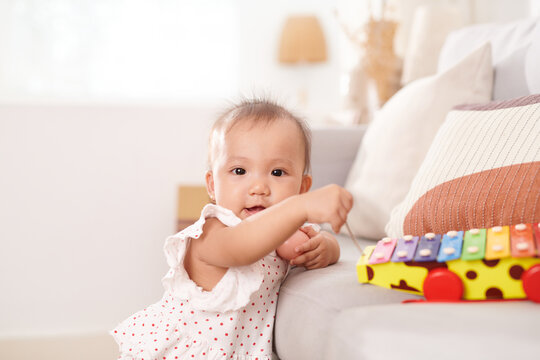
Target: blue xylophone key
pixel 405 249
pixel 428 247
pixel 451 245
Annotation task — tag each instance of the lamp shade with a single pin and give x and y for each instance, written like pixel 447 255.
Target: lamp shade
pixel 302 40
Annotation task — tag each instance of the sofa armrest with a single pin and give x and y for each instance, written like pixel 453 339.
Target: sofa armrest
pixel 333 151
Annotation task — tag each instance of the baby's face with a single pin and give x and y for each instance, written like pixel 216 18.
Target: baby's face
pixel 257 166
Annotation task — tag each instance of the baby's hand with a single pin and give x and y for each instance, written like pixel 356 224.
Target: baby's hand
pixel 329 204
pixel 319 251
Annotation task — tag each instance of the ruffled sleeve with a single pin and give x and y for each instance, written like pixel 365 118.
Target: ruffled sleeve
pixel 234 289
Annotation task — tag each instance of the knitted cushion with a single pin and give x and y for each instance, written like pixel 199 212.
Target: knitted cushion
pixel 482 170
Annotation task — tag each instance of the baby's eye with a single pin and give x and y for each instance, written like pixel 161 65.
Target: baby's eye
pixel 239 171
pixel 277 172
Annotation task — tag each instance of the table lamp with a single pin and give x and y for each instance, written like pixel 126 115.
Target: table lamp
pixel 302 42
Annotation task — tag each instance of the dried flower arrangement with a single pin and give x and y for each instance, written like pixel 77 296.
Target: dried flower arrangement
pixel 378 61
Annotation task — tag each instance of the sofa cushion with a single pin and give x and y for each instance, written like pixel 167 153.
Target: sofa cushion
pixel 509 79
pixel 310 300
pixel 400 135
pixel 532 70
pixel 332 153
pixel 427 331
pixel 510 43
pixel 482 170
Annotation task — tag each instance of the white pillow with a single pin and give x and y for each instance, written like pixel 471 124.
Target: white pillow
pixel 399 137
pixel 504 39
pixel 532 70
pixel 431 25
pixel 509 46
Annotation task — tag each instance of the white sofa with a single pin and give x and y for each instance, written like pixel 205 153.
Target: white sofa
pixel 327 314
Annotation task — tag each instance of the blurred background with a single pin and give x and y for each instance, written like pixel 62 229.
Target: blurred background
pixel 105 108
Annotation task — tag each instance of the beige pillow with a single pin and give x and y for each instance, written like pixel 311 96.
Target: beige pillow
pixel 400 135
pixel 482 170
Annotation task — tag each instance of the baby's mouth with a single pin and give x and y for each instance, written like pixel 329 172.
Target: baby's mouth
pixel 253 210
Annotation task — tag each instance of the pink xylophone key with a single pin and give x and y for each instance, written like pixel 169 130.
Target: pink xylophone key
pixel 383 251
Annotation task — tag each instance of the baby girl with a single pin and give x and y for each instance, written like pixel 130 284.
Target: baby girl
pixel 223 283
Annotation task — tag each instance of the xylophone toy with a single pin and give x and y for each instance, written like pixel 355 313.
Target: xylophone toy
pixel 502 262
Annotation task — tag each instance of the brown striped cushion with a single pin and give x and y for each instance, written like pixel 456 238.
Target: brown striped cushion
pixel 482 170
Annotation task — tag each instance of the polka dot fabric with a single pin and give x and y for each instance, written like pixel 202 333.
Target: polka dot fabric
pixel 233 321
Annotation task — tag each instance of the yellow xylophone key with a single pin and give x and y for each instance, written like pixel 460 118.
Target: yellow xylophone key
pixel 498 243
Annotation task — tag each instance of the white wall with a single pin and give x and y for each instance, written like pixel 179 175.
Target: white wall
pixel 232 50
pixel 260 24
pixel 88 195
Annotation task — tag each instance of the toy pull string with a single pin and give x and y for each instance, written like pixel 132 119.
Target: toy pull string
pixel 356 242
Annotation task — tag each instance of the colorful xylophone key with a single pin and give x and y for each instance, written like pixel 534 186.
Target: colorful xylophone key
pixel 498 243
pixel 474 244
pixel 537 237
pixel 428 247
pixel 451 245
pixel 522 241
pixel 383 251
pixel 405 249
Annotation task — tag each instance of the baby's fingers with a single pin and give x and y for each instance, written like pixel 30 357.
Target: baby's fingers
pixel 342 211
pixel 309 231
pixel 338 221
pixel 346 201
pixel 307 246
pixel 316 263
pixel 304 258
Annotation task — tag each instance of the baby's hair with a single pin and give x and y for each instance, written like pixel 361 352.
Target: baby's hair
pixel 258 111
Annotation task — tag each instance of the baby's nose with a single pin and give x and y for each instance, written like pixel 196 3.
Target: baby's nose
pixel 259 187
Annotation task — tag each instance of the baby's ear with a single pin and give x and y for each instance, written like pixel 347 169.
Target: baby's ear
pixel 209 177
pixel 307 180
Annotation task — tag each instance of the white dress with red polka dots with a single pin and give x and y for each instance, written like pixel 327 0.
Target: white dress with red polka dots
pixel 232 321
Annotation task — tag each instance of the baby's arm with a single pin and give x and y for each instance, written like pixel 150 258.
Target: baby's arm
pixel 322 249
pixel 263 232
